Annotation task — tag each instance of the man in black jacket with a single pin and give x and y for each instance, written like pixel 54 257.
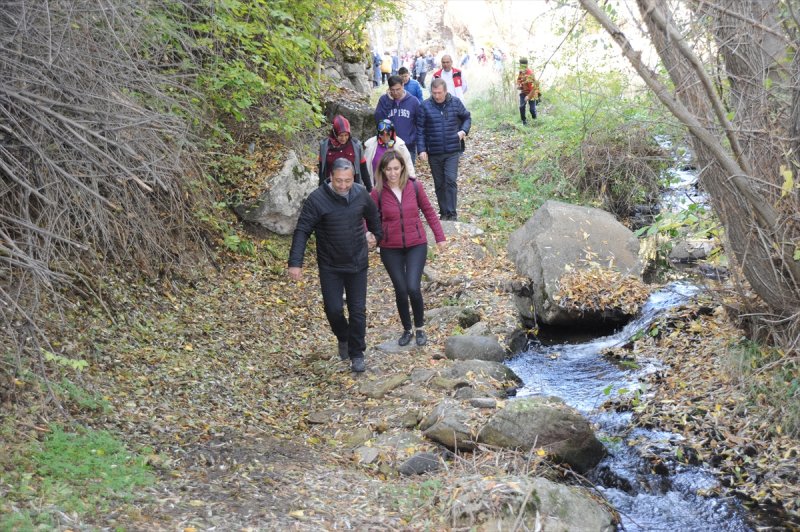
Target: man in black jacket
pixel 335 213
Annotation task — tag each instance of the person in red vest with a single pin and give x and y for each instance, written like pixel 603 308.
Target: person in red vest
pixel 528 89
pixel 456 84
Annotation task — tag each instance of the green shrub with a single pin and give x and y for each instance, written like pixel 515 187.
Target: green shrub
pixel 82 472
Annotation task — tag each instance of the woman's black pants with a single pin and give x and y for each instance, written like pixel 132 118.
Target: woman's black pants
pixel 405 267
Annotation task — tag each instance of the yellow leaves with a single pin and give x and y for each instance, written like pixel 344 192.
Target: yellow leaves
pixel 541 452
pixel 297 514
pixel 597 289
pixel 197 503
pixel 788 181
pixel 188 347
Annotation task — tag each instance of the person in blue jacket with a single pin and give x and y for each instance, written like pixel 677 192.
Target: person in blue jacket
pixel 442 125
pixel 410 85
pixel 402 109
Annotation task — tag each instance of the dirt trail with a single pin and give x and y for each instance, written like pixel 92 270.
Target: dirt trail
pixel 231 377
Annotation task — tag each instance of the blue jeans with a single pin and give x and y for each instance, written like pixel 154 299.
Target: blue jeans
pixel 353 330
pixel 405 266
pixel 531 106
pixel 412 150
pixel 444 168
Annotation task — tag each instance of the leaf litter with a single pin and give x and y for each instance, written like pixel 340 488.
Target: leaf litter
pixel 230 379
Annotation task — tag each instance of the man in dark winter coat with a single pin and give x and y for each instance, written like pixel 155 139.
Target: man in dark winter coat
pixel 335 213
pixel 442 124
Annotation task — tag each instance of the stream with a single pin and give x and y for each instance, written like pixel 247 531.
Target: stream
pixel 576 370
pixel 580 375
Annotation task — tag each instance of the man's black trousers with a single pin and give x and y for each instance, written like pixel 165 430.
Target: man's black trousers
pixel 353 328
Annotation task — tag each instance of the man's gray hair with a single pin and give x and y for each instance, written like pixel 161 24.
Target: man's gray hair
pixel 341 163
pixel 439 82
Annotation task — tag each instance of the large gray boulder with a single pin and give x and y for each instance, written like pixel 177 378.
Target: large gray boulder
pixel 524 503
pixel 558 238
pixel 358 74
pixel 464 347
pixel 277 209
pixel 545 423
pixel 480 370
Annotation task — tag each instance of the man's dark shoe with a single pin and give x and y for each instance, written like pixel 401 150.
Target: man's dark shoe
pixel 343 352
pixel 422 339
pixel 358 365
pixel 405 339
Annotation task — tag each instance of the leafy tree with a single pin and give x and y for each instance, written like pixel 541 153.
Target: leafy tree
pixel 261 59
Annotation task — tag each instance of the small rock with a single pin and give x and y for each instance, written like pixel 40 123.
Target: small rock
pixel 474 348
pixel 378 388
pixel 358 436
pixel 319 418
pixel 420 463
pixel 479 329
pixel 447 384
pixel 483 402
pixel 467 392
pixel 366 455
pixel 410 419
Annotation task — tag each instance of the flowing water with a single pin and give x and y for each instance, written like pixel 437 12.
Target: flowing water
pixel 584 378
pixel 672 497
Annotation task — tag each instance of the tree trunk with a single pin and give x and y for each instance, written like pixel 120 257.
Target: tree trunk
pixel 741 175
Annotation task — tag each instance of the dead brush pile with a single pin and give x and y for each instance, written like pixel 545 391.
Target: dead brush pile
pixel 598 290
pixel 95 158
pixel 620 168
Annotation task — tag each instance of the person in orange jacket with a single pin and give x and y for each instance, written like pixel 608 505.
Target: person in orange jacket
pixel 528 88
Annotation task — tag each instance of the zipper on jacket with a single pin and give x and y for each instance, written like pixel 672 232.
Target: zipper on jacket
pixel 402 223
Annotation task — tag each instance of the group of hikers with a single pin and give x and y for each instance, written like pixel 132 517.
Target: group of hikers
pixel 368 197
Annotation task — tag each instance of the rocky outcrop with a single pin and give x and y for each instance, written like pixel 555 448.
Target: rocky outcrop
pixel 545 423
pixel 524 503
pixel 353 76
pixel 360 115
pixel 559 238
pixel 277 209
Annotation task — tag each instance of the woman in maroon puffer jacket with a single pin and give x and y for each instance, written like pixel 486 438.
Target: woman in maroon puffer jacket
pixel 404 246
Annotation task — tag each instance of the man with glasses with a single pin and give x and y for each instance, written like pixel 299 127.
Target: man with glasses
pixel 401 108
pixel 336 213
